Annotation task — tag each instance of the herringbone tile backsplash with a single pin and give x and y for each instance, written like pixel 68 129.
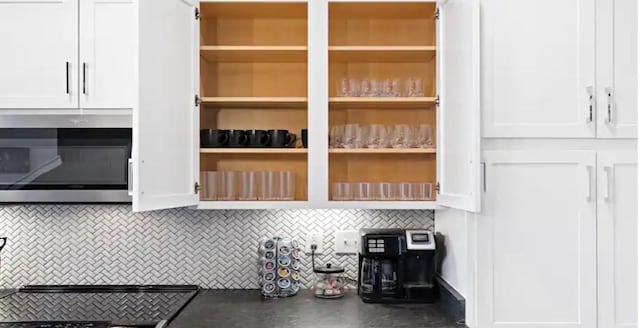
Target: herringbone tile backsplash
pixel 108 244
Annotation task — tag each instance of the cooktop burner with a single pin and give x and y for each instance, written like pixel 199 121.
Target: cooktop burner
pixel 93 306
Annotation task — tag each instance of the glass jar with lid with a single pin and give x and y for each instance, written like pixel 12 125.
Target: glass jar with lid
pixel 329 281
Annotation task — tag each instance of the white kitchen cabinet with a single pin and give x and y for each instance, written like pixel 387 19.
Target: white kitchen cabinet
pixel 617 239
pixel 39 57
pixel 539 68
pixel 537 240
pixel 617 68
pixel 107 50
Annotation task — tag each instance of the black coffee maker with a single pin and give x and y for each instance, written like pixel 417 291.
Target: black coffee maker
pixel 397 266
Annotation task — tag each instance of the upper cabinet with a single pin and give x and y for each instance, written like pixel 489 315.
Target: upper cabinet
pixel 617 92
pixel 39 57
pixel 67 54
pixel 539 75
pixel 106 54
pixel 539 78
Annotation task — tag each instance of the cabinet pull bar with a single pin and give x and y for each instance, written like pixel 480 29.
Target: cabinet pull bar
pixel 607 187
pixel 609 93
pixel 68 77
pixel 590 93
pixel 130 177
pixel 84 78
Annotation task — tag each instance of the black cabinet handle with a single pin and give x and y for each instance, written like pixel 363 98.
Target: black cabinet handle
pixel 84 78
pixel 68 72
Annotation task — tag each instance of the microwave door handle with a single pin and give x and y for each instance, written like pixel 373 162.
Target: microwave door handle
pixel 130 178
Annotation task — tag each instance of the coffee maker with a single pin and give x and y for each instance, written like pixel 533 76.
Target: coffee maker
pixel 397 266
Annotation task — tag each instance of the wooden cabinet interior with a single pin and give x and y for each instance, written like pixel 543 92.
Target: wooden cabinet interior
pixel 254 76
pixel 382 40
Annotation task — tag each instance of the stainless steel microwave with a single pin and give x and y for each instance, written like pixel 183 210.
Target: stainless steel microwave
pixel 76 163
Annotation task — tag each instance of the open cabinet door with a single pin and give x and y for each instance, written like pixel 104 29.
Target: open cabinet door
pixel 165 150
pixel 459 108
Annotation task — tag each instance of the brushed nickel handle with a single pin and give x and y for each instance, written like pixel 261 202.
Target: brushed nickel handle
pixel 84 78
pixel 588 192
pixel 607 187
pixel 590 93
pixel 609 93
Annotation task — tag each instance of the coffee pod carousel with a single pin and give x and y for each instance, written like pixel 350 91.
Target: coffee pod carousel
pixel 278 267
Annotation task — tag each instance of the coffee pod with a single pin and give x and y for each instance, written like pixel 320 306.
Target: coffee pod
pixel 269 255
pixel 284 283
pixel 269 265
pixel 295 266
pixel 284 261
pixel 295 244
pixel 295 276
pixel 295 286
pixel 269 276
pixel 295 254
pixel 269 244
pixel 269 288
pixel 284 272
pixel 284 250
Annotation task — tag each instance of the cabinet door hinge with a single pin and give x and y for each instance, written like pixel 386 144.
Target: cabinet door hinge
pixel 437 101
pixel 438 188
pixel 197 13
pixel 436 15
pixel 198 101
pixel 196 188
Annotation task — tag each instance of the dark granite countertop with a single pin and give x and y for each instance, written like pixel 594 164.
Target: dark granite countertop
pixel 246 309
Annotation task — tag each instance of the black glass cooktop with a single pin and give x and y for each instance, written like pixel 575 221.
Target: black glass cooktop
pixel 93 306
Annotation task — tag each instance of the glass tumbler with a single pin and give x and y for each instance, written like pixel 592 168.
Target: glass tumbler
pixel 210 182
pixel 422 191
pixel 377 136
pixel 383 191
pixel 248 186
pixel 423 136
pixel 354 136
pixel 402 136
pixel 403 191
pixel 227 185
pixel 336 136
pixel 286 185
pixel 343 87
pixel 342 191
pixel 354 88
pixel 365 88
pixel 363 191
pixel 268 186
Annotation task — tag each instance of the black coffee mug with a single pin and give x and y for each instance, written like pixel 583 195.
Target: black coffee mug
pixel 304 134
pixel 258 138
pixel 238 139
pixel 282 138
pixel 214 138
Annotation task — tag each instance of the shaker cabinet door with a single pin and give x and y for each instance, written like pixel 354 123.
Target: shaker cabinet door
pixel 165 119
pixel 617 68
pixel 458 166
pixel 107 54
pixel 537 246
pixel 617 239
pixel 538 60
pixel 39 56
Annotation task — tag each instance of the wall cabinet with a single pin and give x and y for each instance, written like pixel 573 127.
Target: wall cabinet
pixel 79 54
pixel 39 61
pixel 539 80
pixel 532 277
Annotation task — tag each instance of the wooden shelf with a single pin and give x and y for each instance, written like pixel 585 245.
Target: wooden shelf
pixel 246 205
pixel 406 54
pixel 381 102
pixel 357 151
pixel 256 102
pixel 386 205
pixel 264 54
pixel 253 150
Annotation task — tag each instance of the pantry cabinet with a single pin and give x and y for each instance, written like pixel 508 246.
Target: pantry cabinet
pixel 67 54
pixel 537 264
pixel 539 80
pixel 39 57
pixel 617 239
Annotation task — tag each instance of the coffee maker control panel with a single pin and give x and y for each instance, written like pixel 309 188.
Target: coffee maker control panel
pixel 420 240
pixel 383 246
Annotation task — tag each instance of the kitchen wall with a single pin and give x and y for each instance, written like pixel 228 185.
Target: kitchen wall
pixel 108 244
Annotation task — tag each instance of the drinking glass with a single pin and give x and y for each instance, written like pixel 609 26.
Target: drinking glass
pixel 421 191
pixel 377 136
pixel 365 88
pixel 343 87
pixel 336 136
pixel 211 182
pixel 395 88
pixel 402 136
pixel 354 88
pixel 376 88
pixel 204 193
pixel 383 191
pixel 423 136
pixel 386 89
pixel 227 186
pixel 354 136
pixel 418 87
pixel 248 186
pixel 403 191
pixel 286 185
pixel 342 191
pixel 363 191
pixel 268 186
